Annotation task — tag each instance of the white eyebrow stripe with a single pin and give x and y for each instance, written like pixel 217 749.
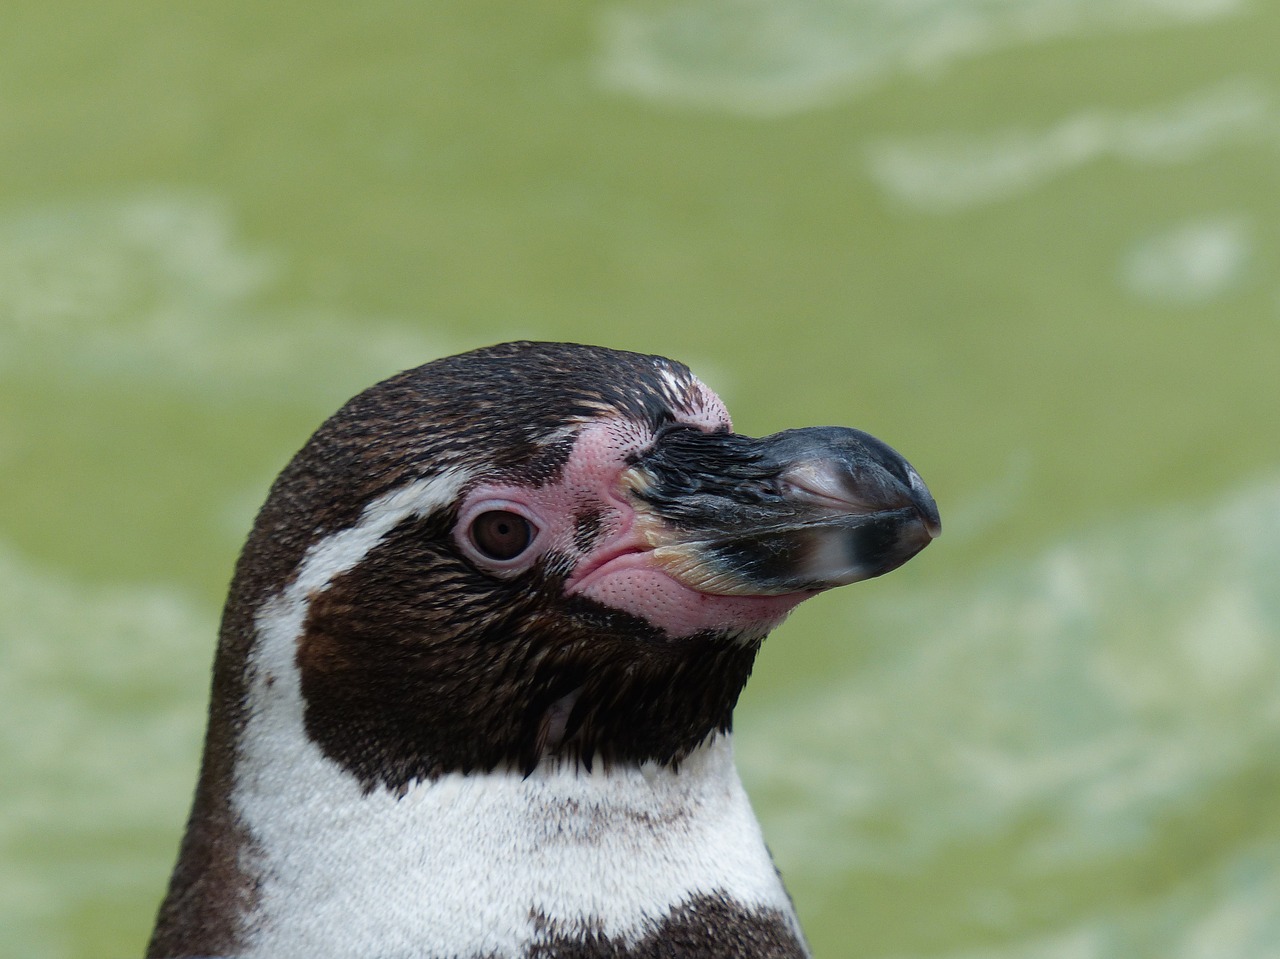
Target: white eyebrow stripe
pixel 340 552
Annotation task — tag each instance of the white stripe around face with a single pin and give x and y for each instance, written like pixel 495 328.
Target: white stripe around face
pixel 465 864
pixel 342 551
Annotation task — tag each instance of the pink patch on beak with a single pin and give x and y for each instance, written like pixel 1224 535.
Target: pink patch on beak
pixel 619 570
pixel 634 583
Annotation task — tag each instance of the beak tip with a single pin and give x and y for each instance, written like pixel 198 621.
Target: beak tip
pixel 924 502
pixel 931 519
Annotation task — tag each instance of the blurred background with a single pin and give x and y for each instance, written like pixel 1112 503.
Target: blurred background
pixel 1033 244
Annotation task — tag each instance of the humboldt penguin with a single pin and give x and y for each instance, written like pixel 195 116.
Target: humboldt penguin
pixel 474 690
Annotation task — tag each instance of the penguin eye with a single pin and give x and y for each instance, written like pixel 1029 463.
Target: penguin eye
pixel 500 534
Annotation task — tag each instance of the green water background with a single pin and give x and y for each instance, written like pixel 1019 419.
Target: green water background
pixel 1031 243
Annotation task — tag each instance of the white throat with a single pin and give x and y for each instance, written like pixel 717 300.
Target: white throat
pixel 480 864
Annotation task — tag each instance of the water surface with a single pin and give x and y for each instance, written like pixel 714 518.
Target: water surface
pixel 1032 244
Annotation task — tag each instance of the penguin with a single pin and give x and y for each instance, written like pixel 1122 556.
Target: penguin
pixel 475 680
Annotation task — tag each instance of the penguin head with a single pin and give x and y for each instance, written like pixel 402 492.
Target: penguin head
pixel 543 553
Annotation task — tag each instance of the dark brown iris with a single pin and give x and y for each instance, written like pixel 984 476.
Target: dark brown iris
pixel 500 534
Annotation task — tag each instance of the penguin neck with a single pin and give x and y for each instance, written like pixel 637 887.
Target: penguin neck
pixel 488 863
pixel 494 863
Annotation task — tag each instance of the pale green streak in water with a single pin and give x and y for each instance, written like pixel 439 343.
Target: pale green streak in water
pixel 1033 244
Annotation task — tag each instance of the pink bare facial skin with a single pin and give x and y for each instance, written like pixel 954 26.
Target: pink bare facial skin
pixel 619 570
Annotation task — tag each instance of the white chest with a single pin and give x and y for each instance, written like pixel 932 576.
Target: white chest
pixel 475 865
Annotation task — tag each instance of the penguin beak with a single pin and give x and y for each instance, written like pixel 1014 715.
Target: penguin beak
pixel 799 511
